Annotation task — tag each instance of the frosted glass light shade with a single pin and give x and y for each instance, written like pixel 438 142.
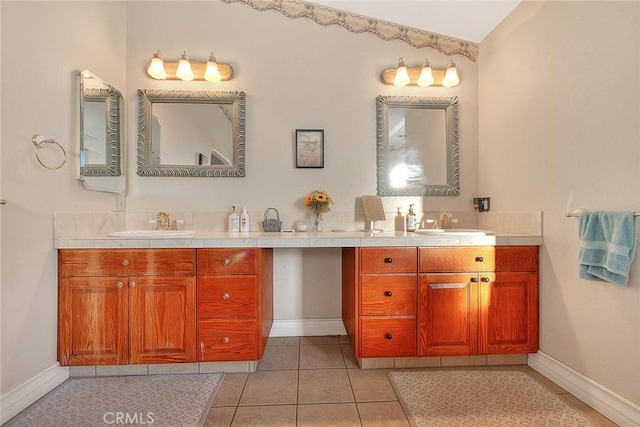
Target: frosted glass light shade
pixel 184 71
pixel 426 76
pixel 156 68
pixel 212 73
pixel 402 75
pixel 451 77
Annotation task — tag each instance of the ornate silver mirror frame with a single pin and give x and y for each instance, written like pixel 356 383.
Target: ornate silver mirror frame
pixel 110 119
pixel 146 166
pixel 451 183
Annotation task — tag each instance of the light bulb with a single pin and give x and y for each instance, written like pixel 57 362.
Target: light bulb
pixel 451 78
pixel 402 75
pixel 212 73
pixel 156 68
pixel 184 68
pixel 426 75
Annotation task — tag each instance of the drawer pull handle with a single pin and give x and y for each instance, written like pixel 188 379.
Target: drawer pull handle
pixel 479 259
pixel 388 336
pixel 226 261
pixel 484 279
pixel 447 285
pixel 132 284
pixel 226 295
pixel 125 262
pixel 388 293
pixel 474 280
pixel 388 260
pixel 119 285
pixel 226 340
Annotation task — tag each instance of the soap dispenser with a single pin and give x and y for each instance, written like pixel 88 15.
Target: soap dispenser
pixel 400 221
pixel 412 219
pixel 234 221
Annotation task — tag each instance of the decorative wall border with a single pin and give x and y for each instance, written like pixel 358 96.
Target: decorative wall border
pixel 356 24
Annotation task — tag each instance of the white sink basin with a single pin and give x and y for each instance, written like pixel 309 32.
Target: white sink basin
pixel 153 234
pixel 454 231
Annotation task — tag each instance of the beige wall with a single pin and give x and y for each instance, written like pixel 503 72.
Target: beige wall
pixel 559 106
pixel 296 75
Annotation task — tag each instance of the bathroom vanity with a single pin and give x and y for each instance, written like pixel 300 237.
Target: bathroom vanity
pixel 208 297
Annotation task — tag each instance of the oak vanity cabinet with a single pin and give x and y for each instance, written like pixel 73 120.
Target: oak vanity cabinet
pixel 386 283
pixel 122 306
pixel 477 300
pixel 235 303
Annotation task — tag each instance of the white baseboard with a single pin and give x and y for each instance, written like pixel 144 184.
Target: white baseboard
pixel 611 405
pixel 307 327
pixel 18 399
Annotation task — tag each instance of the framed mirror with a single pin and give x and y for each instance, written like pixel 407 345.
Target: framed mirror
pixel 100 151
pixel 417 146
pixel 191 133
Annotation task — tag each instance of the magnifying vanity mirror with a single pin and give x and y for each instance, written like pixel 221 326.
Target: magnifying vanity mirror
pixel 191 133
pixel 417 146
pixel 100 134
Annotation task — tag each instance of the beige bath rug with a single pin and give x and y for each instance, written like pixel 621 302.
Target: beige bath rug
pixel 154 400
pixel 481 398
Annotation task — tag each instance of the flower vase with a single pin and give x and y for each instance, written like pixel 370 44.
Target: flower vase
pixel 316 221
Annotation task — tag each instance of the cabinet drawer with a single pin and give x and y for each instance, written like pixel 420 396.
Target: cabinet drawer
pixel 516 258
pixel 227 261
pixel 457 259
pixel 124 262
pixel 227 340
pixel 227 297
pixel 384 294
pixel 388 260
pixel 388 337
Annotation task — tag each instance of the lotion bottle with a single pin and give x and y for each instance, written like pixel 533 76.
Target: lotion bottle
pixel 234 221
pixel 244 220
pixel 412 219
pixel 400 221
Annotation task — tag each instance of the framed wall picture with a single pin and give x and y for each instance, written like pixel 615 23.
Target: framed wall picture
pixel 310 148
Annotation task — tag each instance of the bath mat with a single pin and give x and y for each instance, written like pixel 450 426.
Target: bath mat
pixel 156 400
pixel 481 398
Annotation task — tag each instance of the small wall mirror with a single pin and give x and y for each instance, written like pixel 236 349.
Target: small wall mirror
pixel 417 146
pixel 100 148
pixel 191 133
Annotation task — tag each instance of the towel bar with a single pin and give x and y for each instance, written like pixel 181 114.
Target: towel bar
pixel 577 214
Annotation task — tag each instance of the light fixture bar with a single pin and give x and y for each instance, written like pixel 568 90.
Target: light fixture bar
pixel 198 68
pixel 388 76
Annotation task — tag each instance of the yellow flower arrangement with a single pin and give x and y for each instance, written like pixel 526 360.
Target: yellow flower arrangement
pixel 318 201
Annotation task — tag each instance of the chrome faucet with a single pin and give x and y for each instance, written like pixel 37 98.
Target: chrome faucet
pixel 162 221
pixel 444 221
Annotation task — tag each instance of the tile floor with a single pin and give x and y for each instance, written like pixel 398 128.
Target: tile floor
pixel 315 381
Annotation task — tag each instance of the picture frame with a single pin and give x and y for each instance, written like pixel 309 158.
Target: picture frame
pixel 309 148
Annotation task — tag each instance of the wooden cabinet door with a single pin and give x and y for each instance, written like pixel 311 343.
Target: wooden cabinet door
pixel 448 314
pixel 509 313
pixel 92 322
pixel 162 320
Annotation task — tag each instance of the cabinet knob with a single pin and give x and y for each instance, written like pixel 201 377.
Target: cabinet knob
pixel 132 284
pixel 388 293
pixel 388 260
pixel 388 336
pixel 226 340
pixel 125 262
pixel 226 261
pixel 479 259
pixel 226 295
pixel 119 285
pixel 484 279
pixel 474 280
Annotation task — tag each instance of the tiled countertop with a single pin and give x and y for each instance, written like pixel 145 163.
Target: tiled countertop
pixel 328 239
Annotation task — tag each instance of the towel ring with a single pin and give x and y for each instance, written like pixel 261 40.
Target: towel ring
pixel 39 142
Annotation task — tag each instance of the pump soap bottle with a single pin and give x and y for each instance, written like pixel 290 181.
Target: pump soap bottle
pixel 412 219
pixel 401 224
pixel 234 221
pixel 244 220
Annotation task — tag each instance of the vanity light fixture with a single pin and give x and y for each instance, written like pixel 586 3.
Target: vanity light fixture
pixel 402 75
pixel 188 70
pixel 423 76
